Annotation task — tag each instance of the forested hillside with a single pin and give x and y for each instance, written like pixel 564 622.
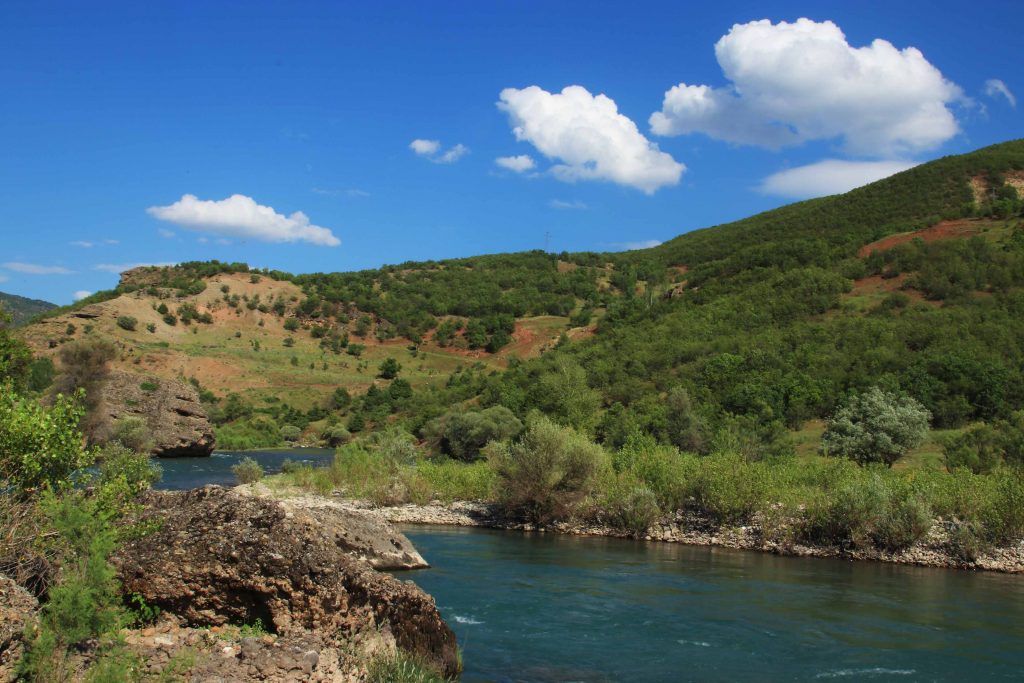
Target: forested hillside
pixel 22 309
pixel 742 331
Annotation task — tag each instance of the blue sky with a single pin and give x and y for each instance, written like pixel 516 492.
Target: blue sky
pixel 282 134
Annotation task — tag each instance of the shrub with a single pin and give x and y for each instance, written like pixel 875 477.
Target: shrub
pixel 132 433
pixel 463 435
pixel 150 327
pixel 171 319
pixel 876 426
pixel 40 447
pixel 632 507
pixel 389 368
pixel 247 471
pixel 336 435
pixel 548 472
pixel 291 324
pixel 290 433
pixel 127 322
pixel 400 667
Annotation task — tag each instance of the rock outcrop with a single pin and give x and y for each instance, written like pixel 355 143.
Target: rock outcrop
pixel 221 558
pixel 17 609
pixel 358 533
pixel 176 420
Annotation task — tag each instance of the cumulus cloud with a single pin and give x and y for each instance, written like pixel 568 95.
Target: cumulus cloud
pixel 830 176
pixel 589 137
pixel 453 154
pixel 118 268
pixel 562 204
pixel 240 216
pixel 35 269
pixel 995 87
pixel 520 163
pixel 425 147
pixel 81 294
pixel 791 83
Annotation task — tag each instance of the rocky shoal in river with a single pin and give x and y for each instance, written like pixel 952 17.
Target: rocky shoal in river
pixel 692 529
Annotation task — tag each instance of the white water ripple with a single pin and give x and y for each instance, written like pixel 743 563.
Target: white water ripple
pixel 466 620
pixel 698 643
pixel 877 671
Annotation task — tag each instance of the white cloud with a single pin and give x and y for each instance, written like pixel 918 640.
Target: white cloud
pixel 640 244
pixel 82 243
pixel 240 216
pixel 453 154
pixel 112 241
pixel 164 232
pixel 830 176
pixel 3 278
pixel 34 269
pixel 430 148
pixel 562 204
pixel 118 268
pixel 203 240
pixel 994 87
pixel 425 147
pixel 81 294
pixel 791 83
pixel 589 136
pixel 520 163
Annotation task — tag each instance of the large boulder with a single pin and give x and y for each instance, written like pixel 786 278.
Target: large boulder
pixel 176 420
pixel 219 558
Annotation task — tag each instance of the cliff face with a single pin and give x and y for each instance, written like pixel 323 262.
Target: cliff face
pixel 177 423
pixel 221 558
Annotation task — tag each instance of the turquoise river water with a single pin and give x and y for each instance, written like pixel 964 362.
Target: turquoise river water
pixel 545 608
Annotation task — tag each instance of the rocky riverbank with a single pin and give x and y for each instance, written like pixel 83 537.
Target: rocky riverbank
pixel 245 588
pixel 935 550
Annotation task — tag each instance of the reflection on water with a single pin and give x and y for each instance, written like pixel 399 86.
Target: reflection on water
pixel 187 473
pixel 542 607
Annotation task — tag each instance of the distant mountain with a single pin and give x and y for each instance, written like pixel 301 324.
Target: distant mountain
pixel 23 309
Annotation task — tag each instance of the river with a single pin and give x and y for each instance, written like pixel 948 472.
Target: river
pixel 545 608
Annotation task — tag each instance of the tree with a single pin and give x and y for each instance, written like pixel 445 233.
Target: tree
pixel 127 322
pixel 462 435
pixel 15 356
pixel 389 369
pixel 876 426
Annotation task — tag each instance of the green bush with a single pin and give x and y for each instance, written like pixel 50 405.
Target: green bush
pixel 132 433
pixel 127 322
pixel 401 667
pixel 463 435
pixel 336 435
pixel 549 472
pixel 247 471
pixel 40 447
pixel 632 507
pixel 876 426
pixel 259 431
pixel 290 433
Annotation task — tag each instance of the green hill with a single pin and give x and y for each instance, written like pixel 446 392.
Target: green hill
pixel 746 331
pixel 22 309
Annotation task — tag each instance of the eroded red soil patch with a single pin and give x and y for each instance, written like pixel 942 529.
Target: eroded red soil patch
pixel 940 231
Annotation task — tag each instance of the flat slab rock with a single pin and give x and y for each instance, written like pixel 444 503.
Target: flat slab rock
pixel 361 534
